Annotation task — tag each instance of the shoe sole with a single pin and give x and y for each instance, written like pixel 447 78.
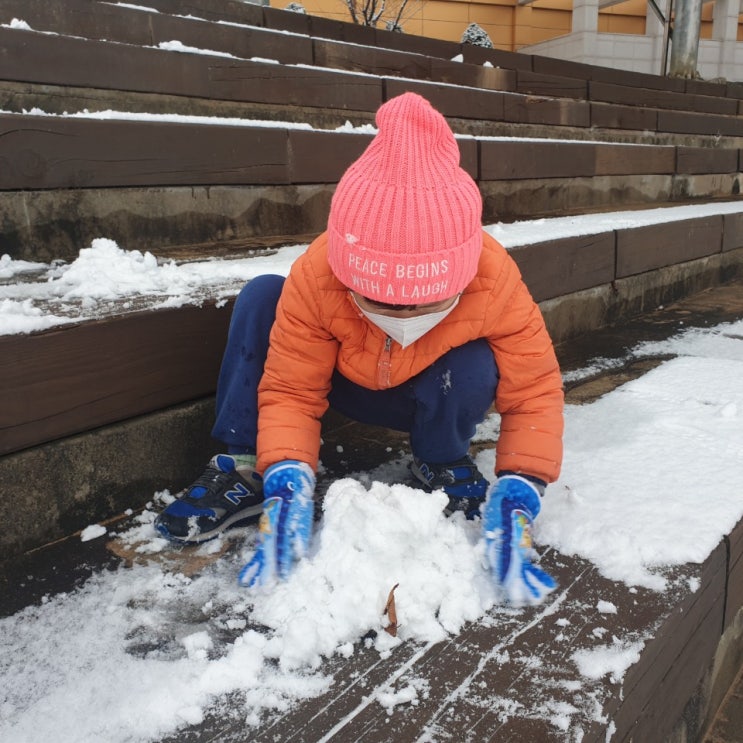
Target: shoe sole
pixel 205 536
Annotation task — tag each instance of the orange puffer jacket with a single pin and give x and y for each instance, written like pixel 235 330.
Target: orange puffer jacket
pixel 319 328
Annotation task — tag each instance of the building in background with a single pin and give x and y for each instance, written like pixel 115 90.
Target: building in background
pixel 626 34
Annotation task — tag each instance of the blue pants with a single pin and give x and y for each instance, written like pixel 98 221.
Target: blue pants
pixel 439 408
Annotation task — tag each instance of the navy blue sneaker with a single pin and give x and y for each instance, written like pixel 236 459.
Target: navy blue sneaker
pixel 460 480
pixel 221 497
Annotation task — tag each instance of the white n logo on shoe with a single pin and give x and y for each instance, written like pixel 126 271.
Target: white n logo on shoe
pixel 236 493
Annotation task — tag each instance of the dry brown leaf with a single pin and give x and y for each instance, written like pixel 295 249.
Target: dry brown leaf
pixel 391 612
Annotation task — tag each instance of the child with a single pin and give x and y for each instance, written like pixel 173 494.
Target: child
pixel 403 314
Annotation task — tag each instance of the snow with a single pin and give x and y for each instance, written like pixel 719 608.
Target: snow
pixel 613 659
pixel 110 114
pixel 135 7
pixel 178 46
pixel 141 651
pixel 534 230
pixel 92 532
pixel 104 275
pixel 17 23
pixel 606 607
pixel 678 451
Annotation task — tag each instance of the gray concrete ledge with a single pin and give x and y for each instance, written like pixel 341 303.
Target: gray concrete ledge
pixel 54 490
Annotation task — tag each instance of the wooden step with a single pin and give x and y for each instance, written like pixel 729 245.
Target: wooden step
pixel 120 23
pixel 57 383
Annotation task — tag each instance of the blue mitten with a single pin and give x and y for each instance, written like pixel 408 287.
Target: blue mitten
pixel 508 517
pixel 286 523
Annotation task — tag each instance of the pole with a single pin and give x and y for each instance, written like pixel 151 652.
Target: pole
pixel 685 38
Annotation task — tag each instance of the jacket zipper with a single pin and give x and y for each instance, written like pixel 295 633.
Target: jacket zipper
pixel 384 366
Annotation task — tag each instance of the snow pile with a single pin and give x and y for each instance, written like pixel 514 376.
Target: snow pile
pixel 103 275
pixel 371 541
pixel 17 23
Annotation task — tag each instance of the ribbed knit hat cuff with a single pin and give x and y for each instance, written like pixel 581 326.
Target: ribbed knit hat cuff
pixel 396 278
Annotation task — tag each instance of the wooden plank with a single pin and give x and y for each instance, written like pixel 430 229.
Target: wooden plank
pixel 282 20
pixel 706 87
pixel 379 61
pixel 633 79
pixel 634 159
pixel 561 67
pixel 25 56
pixel 239 41
pixel 706 160
pixel 235 11
pixel 465 103
pixel 74 379
pixel 295 86
pixel 535 83
pixel 44 152
pixel 345 30
pixel 509 160
pixel 528 109
pixel 417 44
pixel 497 57
pixel 322 157
pixel 469 157
pixel 680 122
pixel 610 93
pixel 734 597
pixel 556 267
pixel 709 103
pixel 674 661
pixel 577 625
pixel 82 18
pixel 473 680
pixel 732 235
pixel 734 90
pixel 110 22
pixel 617 116
pixel 475 76
pixel 330 53
pixel 643 249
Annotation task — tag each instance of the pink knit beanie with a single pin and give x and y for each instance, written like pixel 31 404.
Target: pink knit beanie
pixel 405 221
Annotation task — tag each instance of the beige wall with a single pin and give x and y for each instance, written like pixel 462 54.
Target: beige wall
pixel 509 25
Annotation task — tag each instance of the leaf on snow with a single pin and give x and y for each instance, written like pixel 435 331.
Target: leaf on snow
pixel 391 612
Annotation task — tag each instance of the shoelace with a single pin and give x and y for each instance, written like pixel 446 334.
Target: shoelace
pixel 210 480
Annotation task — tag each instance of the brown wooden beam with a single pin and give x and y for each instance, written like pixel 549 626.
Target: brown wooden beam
pixel 58 383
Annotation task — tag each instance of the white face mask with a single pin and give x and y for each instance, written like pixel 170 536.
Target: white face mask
pixel 407 330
